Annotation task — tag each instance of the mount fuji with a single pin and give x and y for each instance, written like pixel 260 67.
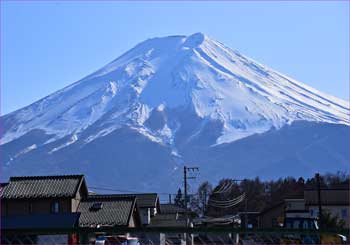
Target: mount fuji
pixel 172 101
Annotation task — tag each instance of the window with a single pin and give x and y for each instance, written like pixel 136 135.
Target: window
pixel 29 208
pixel 6 209
pixel 314 212
pixel 296 224
pixel 55 207
pixel 344 213
pixel 288 225
pixel 305 224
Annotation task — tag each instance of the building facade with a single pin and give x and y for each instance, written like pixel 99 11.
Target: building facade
pixel 61 202
pixel 42 195
pixel 334 199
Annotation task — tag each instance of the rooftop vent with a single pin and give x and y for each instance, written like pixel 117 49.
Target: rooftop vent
pixel 96 206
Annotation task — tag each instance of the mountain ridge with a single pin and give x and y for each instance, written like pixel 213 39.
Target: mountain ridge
pixel 196 49
pixel 172 94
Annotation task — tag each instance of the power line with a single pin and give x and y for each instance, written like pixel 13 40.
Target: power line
pixel 126 191
pixel 110 189
pixel 228 201
pixel 220 189
pixel 229 186
pixel 225 206
pixel 228 204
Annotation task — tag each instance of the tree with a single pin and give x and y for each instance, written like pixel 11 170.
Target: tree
pixel 204 191
pixel 259 194
pixel 198 202
pixel 332 221
pixel 179 200
pixel 330 179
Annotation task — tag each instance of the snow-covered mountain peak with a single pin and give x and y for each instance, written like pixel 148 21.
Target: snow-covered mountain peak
pixel 195 40
pixel 161 76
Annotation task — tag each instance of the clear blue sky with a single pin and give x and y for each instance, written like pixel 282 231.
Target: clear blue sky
pixel 48 45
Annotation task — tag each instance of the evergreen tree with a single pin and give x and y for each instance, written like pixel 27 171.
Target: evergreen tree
pixel 179 200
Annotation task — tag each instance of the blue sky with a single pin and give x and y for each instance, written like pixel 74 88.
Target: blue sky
pixel 48 45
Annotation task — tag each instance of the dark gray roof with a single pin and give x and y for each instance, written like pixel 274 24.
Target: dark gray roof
pixel 115 211
pixel 39 221
pixel 167 220
pixel 171 209
pixel 144 200
pixel 2 187
pixel 43 186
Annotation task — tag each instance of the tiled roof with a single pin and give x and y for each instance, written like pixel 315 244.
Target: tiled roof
pixel 43 186
pixel 114 211
pixel 171 209
pixel 144 200
pixel 2 188
pixel 167 220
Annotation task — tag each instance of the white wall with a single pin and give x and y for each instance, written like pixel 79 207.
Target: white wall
pixel 145 214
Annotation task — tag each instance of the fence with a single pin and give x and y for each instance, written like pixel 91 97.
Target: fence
pixel 173 236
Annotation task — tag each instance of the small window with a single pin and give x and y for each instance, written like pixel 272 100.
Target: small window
pixel 296 224
pixel 344 213
pixel 314 212
pixel 96 206
pixel 30 208
pixel 305 224
pixel 55 207
pixel 6 209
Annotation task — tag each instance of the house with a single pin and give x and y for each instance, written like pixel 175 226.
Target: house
pixel 290 212
pixel 334 199
pixel 248 219
pixel 147 203
pixel 302 213
pixel 34 202
pixel 172 216
pixel 42 195
pixel 168 208
pixel 109 211
pixel 296 215
pixel 272 216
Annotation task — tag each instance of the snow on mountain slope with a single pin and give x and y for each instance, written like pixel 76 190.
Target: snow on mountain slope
pixel 161 75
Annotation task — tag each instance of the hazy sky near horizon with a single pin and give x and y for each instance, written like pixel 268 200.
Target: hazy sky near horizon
pixel 46 46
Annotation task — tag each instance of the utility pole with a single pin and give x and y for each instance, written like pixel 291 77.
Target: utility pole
pixel 185 181
pixel 186 188
pixel 204 202
pixel 320 215
pixel 246 214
